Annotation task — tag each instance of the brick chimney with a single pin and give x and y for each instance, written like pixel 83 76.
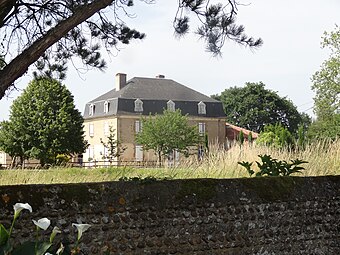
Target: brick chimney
pixel 120 81
pixel 160 76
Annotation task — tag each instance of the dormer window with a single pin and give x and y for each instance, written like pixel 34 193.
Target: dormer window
pixel 106 107
pixel 171 105
pixel 201 108
pixel 138 105
pixel 91 109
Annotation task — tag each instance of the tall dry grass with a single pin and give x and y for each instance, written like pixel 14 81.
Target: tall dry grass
pixel 323 159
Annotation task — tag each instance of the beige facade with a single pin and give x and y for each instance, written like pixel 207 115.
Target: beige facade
pixel 123 106
pixel 126 128
pixel 5 159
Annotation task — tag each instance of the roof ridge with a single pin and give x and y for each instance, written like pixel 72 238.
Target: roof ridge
pixel 155 88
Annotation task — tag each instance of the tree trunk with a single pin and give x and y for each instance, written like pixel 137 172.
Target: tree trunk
pixel 160 159
pixel 19 65
pixel 13 161
pixel 6 6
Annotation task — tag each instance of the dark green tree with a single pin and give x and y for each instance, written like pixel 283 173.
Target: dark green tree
pixel 49 33
pixel 13 142
pixel 253 106
pixel 167 132
pixel 46 122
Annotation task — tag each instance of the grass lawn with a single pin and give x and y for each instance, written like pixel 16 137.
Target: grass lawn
pixel 323 158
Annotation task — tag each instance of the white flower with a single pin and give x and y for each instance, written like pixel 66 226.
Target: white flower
pixel 18 207
pixel 61 249
pixel 47 253
pixel 43 223
pixel 81 228
pixel 56 230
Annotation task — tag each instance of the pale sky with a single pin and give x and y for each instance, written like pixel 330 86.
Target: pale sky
pixel 291 53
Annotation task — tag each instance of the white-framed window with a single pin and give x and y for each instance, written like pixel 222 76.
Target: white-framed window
pixel 173 158
pixel 138 126
pixel 201 128
pixel 170 105
pixel 91 130
pixel 201 108
pixel 91 153
pixel 91 109
pixel 177 156
pixel 106 107
pixel 139 153
pixel 138 105
pixel 106 129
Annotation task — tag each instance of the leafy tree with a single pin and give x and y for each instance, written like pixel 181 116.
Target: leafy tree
pixel 45 122
pixel 168 132
pixel 325 129
pixel 240 138
pixel 276 136
pixel 49 33
pixel 326 81
pixel 253 106
pixel 113 146
pixel 326 84
pixel 12 141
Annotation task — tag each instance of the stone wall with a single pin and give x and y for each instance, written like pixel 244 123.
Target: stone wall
pixel 201 216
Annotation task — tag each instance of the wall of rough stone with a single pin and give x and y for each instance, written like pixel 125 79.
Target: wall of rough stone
pixel 202 216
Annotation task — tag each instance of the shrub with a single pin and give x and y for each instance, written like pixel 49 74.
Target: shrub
pixel 273 167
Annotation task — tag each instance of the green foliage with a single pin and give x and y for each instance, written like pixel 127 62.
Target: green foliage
pixel 32 248
pixel 276 136
pixel 326 81
pixel 325 128
pixel 3 235
pixel 326 84
pixel 250 138
pixel 113 146
pixel 240 138
pixel 62 159
pixel 252 107
pixel 12 141
pixel 43 123
pixel 168 132
pixel 273 167
pixel 301 137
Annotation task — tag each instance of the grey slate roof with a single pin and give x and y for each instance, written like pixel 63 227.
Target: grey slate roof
pixel 155 88
pixel 155 93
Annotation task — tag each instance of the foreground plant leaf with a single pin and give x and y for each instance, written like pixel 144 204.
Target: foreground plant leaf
pixel 32 248
pixel 3 235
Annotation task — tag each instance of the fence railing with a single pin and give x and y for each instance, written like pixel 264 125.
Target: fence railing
pixel 86 164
